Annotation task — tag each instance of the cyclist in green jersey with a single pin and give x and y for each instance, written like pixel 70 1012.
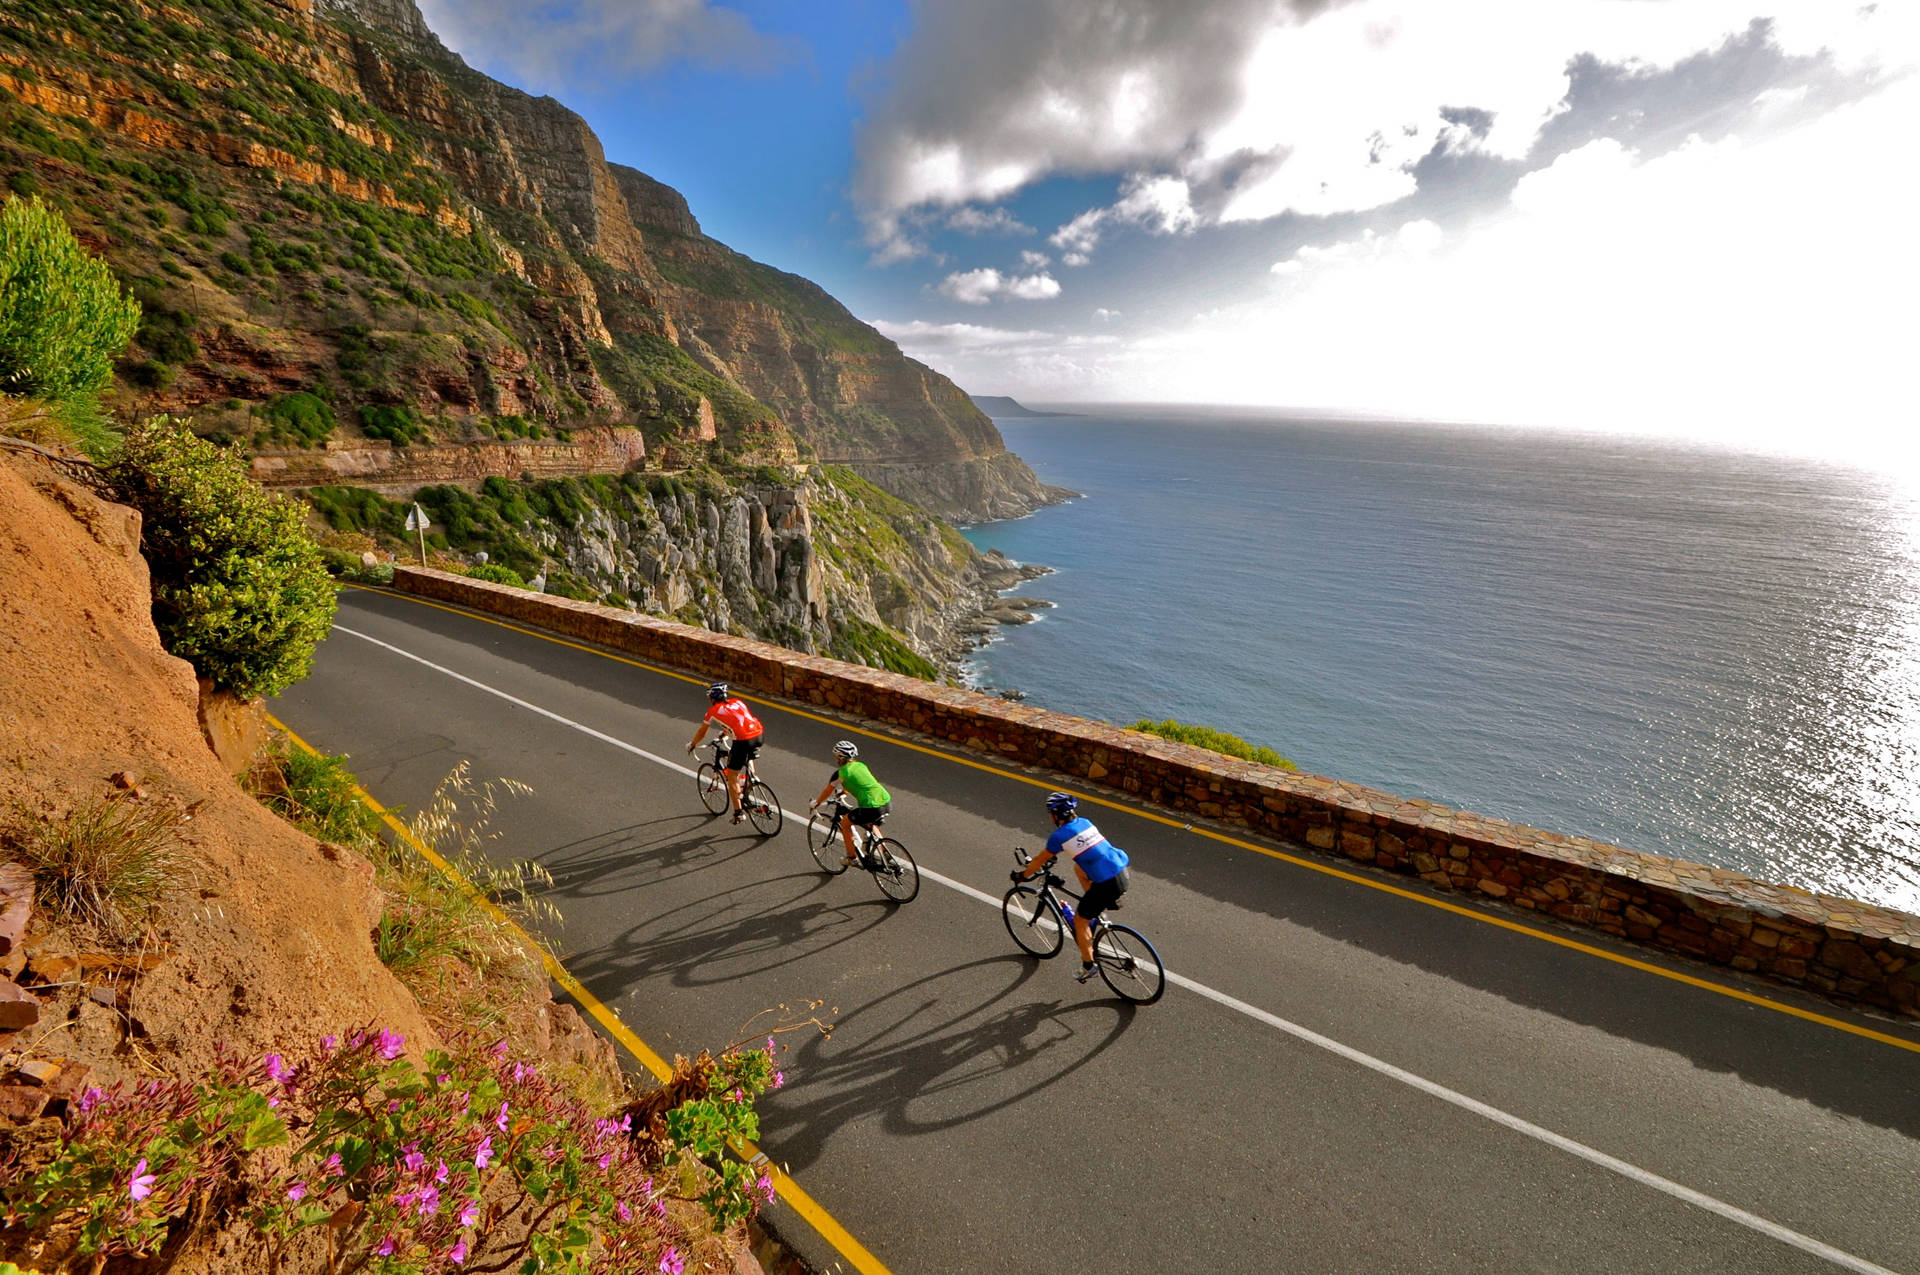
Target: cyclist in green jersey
pixel 853 778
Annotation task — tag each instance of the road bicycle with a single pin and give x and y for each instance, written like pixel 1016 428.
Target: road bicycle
pixel 1040 921
pixel 757 801
pixel 891 864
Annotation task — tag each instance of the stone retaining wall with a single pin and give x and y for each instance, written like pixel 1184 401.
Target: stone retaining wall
pixel 1853 951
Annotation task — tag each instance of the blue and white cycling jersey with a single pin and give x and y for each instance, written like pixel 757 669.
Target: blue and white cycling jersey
pixel 1092 853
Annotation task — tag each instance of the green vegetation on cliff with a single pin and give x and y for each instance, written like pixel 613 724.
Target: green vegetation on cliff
pixel 1218 741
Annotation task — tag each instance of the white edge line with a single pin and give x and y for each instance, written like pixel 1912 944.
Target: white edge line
pixel 1752 1221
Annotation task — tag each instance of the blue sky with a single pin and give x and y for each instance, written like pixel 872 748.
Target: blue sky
pixel 1664 216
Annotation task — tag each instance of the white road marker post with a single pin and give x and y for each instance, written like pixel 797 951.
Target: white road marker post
pixel 417 521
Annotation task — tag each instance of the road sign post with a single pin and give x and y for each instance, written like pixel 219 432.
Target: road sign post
pixel 417 521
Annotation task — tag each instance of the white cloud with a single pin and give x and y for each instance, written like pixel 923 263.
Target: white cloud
pixel 1259 107
pixel 1104 315
pixel 972 220
pixel 551 45
pixel 1035 260
pixel 1754 292
pixel 922 336
pixel 1162 205
pixel 979 287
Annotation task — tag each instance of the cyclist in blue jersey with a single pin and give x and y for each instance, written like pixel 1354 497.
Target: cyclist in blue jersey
pixel 1100 865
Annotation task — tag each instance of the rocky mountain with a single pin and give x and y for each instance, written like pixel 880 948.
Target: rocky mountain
pixel 345 236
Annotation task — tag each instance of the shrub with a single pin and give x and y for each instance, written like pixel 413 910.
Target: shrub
pixel 239 588
pixel 1213 740
pixel 497 574
pixel 106 864
pixel 63 317
pixel 301 415
pixel 397 424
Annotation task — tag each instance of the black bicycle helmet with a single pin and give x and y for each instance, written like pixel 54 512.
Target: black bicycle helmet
pixel 846 750
pixel 1062 804
pixel 717 692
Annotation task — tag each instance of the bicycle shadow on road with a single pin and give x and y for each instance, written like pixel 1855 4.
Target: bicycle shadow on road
pixel 921 1067
pixel 731 935
pixel 623 859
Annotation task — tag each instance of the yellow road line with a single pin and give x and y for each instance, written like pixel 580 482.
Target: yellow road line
pixel 789 1190
pixel 1473 914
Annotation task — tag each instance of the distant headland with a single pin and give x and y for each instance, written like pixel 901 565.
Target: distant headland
pixel 999 405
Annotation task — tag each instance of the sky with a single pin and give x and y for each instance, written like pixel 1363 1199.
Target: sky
pixel 1690 218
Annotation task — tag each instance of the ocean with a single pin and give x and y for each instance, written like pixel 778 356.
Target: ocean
pixel 1685 651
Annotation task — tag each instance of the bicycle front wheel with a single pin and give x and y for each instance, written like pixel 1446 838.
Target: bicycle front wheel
pixel 894 870
pixel 1128 964
pixel 823 839
pixel 762 807
pixel 1033 921
pixel 713 788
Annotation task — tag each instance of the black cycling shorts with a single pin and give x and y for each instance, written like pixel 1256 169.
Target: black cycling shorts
pixel 1102 895
pixel 742 752
pixel 867 816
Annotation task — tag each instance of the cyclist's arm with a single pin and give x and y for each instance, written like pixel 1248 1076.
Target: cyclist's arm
pixel 833 782
pixel 698 736
pixel 1037 864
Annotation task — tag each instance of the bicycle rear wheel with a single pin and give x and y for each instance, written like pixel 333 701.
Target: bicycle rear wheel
pixel 1033 921
pixel 894 870
pixel 713 788
pixel 762 807
pixel 823 840
pixel 1128 964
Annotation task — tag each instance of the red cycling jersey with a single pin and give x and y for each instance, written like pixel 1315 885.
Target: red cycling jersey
pixel 736 717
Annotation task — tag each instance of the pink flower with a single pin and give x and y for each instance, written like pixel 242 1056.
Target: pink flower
pixel 440 1174
pixel 442 1078
pixel 277 1068
pixel 470 1214
pixel 499 1049
pixel 332 1167
pixel 621 1211
pixel 769 1044
pixel 606 1160
pixel 766 1186
pixel 89 1100
pixel 413 1161
pixel 671 1262
pixel 483 1154
pixel 391 1044
pixel 779 1078
pixel 522 1073
pixel 141 1185
pixel 500 1121
pixel 458 1253
pixel 386 1247
pixel 296 1192
pixel 327 1044
pixel 659 1208
pixel 429 1201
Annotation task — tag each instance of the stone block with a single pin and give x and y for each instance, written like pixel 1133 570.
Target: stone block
pixel 1320 836
pixel 19 1008
pixel 22 1104
pixel 1356 845
pixel 39 1071
pixel 1488 886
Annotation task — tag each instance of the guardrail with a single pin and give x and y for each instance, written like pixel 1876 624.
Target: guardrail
pixel 1852 951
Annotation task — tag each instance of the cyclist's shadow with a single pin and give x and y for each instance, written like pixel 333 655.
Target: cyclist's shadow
pixel 924 1068
pixel 731 935
pixel 622 859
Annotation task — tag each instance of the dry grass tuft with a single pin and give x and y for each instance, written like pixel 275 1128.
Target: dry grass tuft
pixel 108 863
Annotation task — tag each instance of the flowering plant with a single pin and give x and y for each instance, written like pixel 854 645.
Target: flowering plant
pixel 474 1161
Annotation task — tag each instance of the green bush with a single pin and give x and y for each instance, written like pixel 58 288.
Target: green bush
pixel 239 588
pixel 1217 741
pixel 397 424
pixel 497 574
pixel 301 415
pixel 63 317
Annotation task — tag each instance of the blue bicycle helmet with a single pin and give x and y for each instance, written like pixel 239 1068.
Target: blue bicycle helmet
pixel 1062 804
pixel 717 692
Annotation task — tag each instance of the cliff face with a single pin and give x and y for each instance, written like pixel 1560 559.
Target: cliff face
pixel 324 199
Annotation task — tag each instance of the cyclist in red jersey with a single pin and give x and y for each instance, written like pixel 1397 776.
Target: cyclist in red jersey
pixel 732 715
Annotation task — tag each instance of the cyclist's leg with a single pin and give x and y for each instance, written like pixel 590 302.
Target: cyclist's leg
pixel 733 790
pixel 846 834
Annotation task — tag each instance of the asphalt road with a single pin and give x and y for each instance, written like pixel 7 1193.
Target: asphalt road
pixel 1347 1078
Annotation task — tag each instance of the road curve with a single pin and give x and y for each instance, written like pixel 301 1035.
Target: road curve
pixel 1345 1078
